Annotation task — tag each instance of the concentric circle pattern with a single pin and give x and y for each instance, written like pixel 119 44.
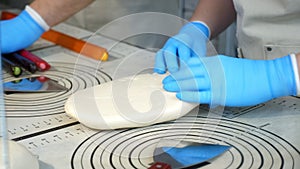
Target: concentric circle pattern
pixel 251 147
pixel 39 104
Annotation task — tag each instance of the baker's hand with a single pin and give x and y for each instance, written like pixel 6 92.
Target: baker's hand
pixel 231 81
pixel 190 41
pixel 21 31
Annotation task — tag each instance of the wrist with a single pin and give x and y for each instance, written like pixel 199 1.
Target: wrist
pixel 37 18
pixel 197 26
pixel 203 26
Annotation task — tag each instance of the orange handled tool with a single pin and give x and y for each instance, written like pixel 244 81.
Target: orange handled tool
pixel 69 42
pixel 76 45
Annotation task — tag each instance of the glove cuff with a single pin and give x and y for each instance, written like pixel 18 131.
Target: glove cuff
pixel 37 18
pixel 197 27
pixel 203 26
pixel 296 73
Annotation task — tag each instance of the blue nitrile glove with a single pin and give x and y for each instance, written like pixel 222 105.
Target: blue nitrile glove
pixel 197 154
pixel 190 41
pixel 19 32
pixel 232 81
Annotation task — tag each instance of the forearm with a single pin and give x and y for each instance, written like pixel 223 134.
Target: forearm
pixel 298 60
pixel 56 11
pixel 217 14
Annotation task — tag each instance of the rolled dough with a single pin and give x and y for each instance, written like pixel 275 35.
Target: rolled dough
pixel 133 101
pixel 19 156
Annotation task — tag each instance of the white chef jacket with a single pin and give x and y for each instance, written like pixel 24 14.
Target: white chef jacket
pixel 267 29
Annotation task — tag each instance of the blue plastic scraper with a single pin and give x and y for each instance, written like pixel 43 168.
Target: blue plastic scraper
pixel 185 154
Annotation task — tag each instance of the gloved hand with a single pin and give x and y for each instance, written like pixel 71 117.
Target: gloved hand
pixel 231 81
pixel 21 31
pixel 190 41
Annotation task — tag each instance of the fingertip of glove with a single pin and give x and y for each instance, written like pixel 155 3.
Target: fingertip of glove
pixel 170 87
pixel 159 71
pixel 167 79
pixel 166 87
pixel 179 96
